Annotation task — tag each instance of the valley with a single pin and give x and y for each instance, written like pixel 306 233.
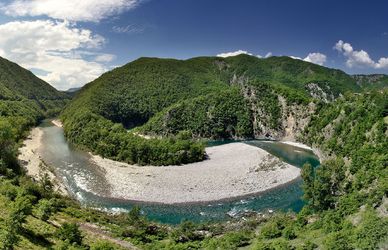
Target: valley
pixel 210 152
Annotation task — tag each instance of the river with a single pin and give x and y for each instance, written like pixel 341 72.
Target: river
pixel 86 182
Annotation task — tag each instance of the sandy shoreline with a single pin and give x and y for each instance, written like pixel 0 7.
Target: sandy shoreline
pixel 297 144
pixel 57 123
pixel 233 170
pixel 30 158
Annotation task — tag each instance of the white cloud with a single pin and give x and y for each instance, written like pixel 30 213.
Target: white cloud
pixel 234 53
pixel 57 48
pixel 359 58
pixel 317 58
pixel 239 52
pixel 105 58
pixel 72 10
pixel 269 54
pixel 296 57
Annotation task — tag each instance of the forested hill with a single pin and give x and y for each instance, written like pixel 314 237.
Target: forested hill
pixel 25 99
pixel 17 82
pixel 205 97
pixel 165 81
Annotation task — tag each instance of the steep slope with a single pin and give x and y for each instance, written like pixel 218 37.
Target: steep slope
pixel 17 82
pixel 24 98
pixel 297 74
pixel 236 97
pixel 351 135
pixel 135 92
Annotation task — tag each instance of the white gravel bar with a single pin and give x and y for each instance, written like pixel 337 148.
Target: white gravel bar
pixel 232 170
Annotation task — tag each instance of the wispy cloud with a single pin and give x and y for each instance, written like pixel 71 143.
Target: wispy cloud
pixel 72 10
pixel 359 58
pixel 104 58
pixel 129 29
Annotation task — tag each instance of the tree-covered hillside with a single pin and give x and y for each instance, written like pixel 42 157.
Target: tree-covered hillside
pixel 236 97
pixel 22 94
pixel 135 92
pixel 24 100
pixel 346 196
pixel 17 82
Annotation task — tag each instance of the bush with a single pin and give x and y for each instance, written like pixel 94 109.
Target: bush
pixel 271 230
pixel 308 245
pixel 371 232
pixel 45 209
pixel 186 232
pixel 102 245
pixel 230 241
pixel 278 244
pixel 338 241
pixel 289 232
pixel 70 232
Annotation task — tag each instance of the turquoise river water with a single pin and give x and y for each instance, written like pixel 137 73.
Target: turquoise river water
pixel 87 183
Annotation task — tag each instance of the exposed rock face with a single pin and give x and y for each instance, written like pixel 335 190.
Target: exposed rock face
pixel 282 121
pixel 361 79
pixel 294 118
pixel 324 94
pixel 239 80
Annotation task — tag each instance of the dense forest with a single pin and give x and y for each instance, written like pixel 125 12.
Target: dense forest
pixel 205 97
pixel 346 197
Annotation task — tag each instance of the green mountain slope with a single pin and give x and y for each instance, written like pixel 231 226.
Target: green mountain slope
pixel 352 136
pixel 236 97
pixel 346 195
pixel 17 82
pixel 24 98
pixel 135 92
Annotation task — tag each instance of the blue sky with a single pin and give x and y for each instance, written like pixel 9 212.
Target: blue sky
pixel 68 43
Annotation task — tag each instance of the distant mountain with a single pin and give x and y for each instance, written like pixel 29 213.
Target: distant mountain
pixel 370 82
pixel 72 90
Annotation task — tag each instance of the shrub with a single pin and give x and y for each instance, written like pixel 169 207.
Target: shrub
pixel 45 209
pixel 70 232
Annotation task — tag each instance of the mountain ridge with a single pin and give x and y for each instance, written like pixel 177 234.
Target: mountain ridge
pixel 272 91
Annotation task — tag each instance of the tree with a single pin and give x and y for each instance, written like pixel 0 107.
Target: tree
pixel 7 145
pixel 70 232
pixel 8 239
pixel 308 182
pixel 45 209
pixel 19 210
pixel 134 216
pixel 45 182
